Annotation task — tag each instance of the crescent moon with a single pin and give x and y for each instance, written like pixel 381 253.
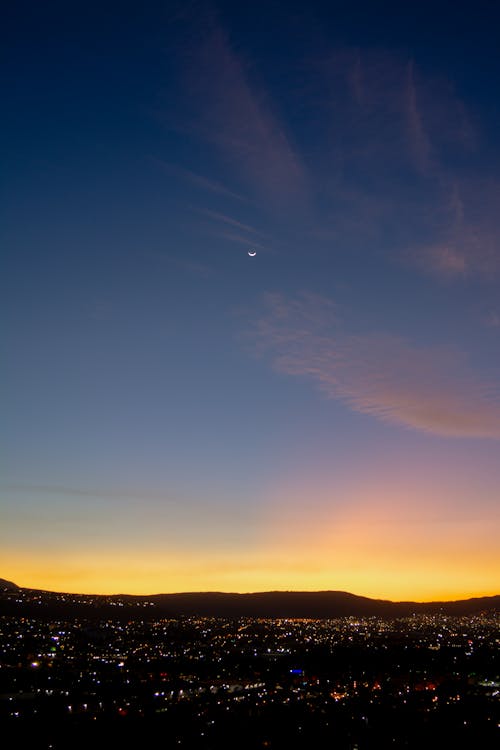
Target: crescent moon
pixel 252 253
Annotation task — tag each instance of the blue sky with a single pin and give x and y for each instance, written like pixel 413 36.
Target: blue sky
pixel 179 415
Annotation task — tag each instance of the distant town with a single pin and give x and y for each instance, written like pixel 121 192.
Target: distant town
pixel 350 682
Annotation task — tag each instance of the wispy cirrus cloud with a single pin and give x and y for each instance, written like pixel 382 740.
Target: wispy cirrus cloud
pixel 234 231
pixel 468 232
pixel 446 260
pixel 235 114
pixel 90 492
pixel 204 183
pixel 240 239
pixel 391 137
pixel 224 219
pixel 419 139
pixel 381 113
pixel 427 389
pixel 390 167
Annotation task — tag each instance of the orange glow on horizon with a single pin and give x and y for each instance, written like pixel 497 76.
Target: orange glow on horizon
pixel 395 540
pixel 151 576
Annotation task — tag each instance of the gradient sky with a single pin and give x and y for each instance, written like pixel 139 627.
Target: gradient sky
pixel 177 415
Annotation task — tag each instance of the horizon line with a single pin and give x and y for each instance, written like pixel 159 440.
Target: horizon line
pixel 255 593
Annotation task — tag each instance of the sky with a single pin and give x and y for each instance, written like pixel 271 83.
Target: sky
pixel 178 415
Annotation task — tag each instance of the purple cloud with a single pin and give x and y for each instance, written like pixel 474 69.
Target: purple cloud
pixel 468 230
pixel 234 114
pixel 427 389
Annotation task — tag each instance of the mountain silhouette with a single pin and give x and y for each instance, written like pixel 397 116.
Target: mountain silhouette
pixel 269 604
pixel 7 585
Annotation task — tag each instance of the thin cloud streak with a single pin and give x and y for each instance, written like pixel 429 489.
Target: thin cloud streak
pixel 469 230
pixel 55 489
pixel 418 137
pixel 444 260
pixel 200 181
pixel 389 134
pixel 232 113
pixel 229 220
pixel 240 239
pixel 426 389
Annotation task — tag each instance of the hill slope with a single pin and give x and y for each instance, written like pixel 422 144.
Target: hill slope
pixel 269 604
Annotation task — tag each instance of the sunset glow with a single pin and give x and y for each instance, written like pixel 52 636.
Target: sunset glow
pixel 251 302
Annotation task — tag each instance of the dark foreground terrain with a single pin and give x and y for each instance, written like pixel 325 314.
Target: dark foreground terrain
pixel 272 604
pixel 419 681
